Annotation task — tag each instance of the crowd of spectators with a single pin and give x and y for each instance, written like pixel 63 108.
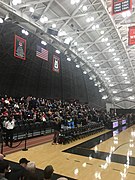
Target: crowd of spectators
pixel 40 109
pixel 55 112
pixel 24 170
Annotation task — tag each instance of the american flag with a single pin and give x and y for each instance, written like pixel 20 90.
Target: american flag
pixel 42 53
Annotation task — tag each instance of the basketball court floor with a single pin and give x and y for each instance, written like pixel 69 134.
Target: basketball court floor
pixel 105 155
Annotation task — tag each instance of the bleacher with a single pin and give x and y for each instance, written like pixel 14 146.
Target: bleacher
pixel 67 136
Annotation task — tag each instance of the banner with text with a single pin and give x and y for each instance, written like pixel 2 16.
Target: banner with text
pixel 20 48
pixel 119 6
pixel 56 64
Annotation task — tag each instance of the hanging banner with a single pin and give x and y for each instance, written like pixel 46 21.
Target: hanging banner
pixel 56 64
pixel 20 48
pixel 119 6
pixel 131 35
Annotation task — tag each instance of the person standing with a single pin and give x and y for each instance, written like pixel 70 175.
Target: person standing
pixel 9 128
pixel 57 127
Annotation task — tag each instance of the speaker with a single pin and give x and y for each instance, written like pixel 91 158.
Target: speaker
pixel 52 32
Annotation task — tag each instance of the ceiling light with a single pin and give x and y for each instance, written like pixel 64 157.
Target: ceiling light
pixel 15 2
pixel 111 50
pixel 96 65
pixel 120 67
pixel 103 39
pixel 84 8
pixel 105 97
pixel 57 51
pixel 128 13
pixel 75 43
pixel 89 57
pixel 106 39
pixel 119 63
pixel 1 21
pixel 114 91
pixel 19 1
pixel 72 2
pixel 92 18
pixel 43 19
pixel 129 89
pixel 102 72
pixel 31 9
pixel 85 52
pixel 44 43
pixel 93 27
pixel 102 32
pixel 25 32
pixel 124 74
pixel 93 60
pixel 107 78
pixel 125 78
pixel 95 84
pixel 68 59
pixel 81 49
pixel 117 98
pixel 77 1
pixel 68 40
pixel 88 20
pixel 127 82
pixel 84 72
pixel 101 90
pixel 131 97
pixel 62 33
pixel 111 85
pixel 90 78
pixel 116 59
pixel 54 25
pixel 114 54
pixel 108 44
pixel 97 26
pixel 77 66
pixel 124 14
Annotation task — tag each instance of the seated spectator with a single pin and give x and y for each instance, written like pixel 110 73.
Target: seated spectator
pixel 18 171
pixel 1 157
pixel 23 162
pixel 31 174
pixel 4 168
pixel 48 172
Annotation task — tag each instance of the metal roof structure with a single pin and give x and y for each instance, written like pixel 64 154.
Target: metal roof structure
pixel 89 35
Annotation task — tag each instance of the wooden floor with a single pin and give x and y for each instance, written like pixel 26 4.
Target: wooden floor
pixel 66 163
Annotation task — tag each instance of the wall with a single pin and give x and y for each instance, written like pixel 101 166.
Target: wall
pixel 35 76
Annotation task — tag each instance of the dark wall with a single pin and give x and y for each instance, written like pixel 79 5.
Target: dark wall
pixel 34 76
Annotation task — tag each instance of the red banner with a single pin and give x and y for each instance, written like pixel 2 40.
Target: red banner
pixel 20 48
pixel 56 64
pixel 119 6
pixel 131 35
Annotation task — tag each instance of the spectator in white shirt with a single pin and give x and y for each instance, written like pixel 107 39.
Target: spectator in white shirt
pixel 9 127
